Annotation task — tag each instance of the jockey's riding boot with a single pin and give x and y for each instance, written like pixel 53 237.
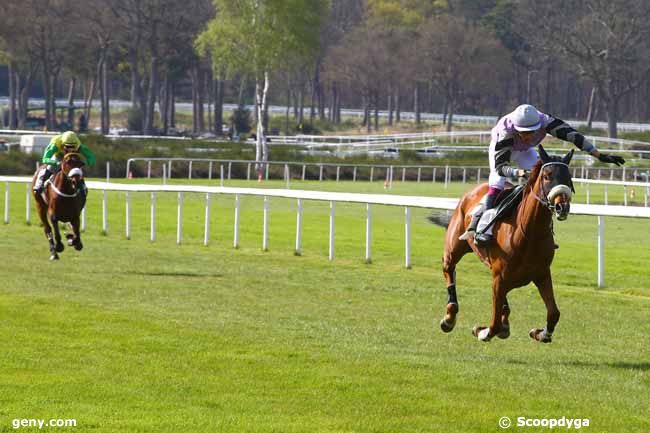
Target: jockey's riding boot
pixel 473 224
pixel 40 180
pixel 484 239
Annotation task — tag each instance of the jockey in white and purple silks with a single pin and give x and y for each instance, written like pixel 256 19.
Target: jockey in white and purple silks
pixel 514 138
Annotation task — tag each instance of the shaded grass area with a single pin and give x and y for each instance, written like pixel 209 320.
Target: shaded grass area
pixel 134 336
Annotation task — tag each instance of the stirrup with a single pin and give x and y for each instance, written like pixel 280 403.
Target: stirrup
pixel 483 239
pixel 468 233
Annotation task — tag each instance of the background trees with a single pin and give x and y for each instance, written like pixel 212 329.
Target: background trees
pixel 576 58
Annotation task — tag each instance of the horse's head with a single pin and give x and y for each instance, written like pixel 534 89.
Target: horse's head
pixel 71 166
pixel 556 186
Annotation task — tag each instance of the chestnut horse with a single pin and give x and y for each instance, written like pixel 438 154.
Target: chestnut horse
pixel 62 201
pixel 522 249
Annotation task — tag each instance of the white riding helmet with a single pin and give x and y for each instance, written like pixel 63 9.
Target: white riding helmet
pixel 526 118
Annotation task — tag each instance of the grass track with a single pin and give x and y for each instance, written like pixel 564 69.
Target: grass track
pixel 166 338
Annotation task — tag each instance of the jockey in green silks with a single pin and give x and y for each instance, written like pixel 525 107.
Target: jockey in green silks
pixel 60 145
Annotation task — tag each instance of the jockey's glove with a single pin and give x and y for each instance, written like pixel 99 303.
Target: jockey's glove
pixel 611 159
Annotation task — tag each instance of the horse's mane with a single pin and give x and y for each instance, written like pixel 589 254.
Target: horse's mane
pixel 532 177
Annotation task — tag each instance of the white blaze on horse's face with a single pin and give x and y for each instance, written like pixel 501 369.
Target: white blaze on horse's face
pixel 76 172
pixel 560 198
pixel 558 178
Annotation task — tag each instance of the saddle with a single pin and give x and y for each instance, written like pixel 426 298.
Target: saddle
pixel 506 203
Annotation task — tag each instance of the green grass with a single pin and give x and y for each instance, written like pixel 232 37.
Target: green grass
pixel 134 336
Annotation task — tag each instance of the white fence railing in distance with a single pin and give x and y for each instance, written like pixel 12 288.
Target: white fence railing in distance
pixel 300 195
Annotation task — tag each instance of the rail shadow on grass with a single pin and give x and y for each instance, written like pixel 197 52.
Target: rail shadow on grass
pixel 620 365
pixel 175 274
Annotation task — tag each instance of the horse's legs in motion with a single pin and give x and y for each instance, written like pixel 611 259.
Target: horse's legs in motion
pixel 47 229
pixel 449 261
pixel 545 286
pixel 505 322
pixel 498 302
pixel 76 240
pixel 57 233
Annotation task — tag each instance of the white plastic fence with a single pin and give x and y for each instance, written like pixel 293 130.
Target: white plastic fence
pixel 407 202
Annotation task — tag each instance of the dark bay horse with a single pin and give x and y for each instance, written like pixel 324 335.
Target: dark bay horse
pixel 62 201
pixel 522 249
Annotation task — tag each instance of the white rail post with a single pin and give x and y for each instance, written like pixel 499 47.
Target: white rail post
pixel 588 193
pixel 189 170
pixel 248 171
pixel 265 234
pixel 403 174
pixel 304 169
pixel 108 171
pixel 464 174
pixel 104 214
pixel 235 242
pixel 368 257
pixel 179 219
pixel 28 204
pixel 625 195
pixel 229 169
pixel 128 215
pixel 153 217
pixel 478 175
pixel 320 173
pixel 221 173
pixel 148 169
pixel 446 176
pixel 206 229
pixel 266 176
pixel 433 176
pixel 7 204
pixel 372 169
pixel 338 172
pixel 606 195
pixel 354 174
pixel 298 251
pixel 601 253
pixel 287 176
pixel 407 235
pixel 210 170
pixel 83 219
pixel 164 174
pixel 331 242
pixel 169 169
pixel 419 173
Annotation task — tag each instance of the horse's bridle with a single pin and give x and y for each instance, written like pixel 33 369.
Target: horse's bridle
pixel 555 191
pixel 76 171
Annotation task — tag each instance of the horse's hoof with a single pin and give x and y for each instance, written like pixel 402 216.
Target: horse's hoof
pixel 78 246
pixel 505 332
pixel 54 257
pixel 447 326
pixel 59 247
pixel 540 335
pixel 70 242
pixel 482 333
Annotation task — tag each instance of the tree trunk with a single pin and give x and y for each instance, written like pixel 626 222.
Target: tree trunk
pixel 367 115
pixel 312 106
pixel 450 118
pixel 195 99
pixel 12 95
pixel 398 108
pixel 390 108
pixel 261 147
pixel 23 100
pixel 89 94
pixel 242 87
pixel 163 103
pixel 416 103
pixel 172 108
pixel 71 90
pixel 591 113
pixel 151 96
pixel 376 98
pixel 288 109
pixel 301 106
pixel 47 93
pixel 106 114
pixel 218 106
pixel 200 100
pixel 612 117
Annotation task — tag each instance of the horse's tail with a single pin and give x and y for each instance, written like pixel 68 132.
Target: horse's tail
pixel 440 218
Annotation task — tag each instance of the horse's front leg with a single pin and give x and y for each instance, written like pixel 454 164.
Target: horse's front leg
pixel 57 232
pixel 545 286
pixel 498 301
pixel 76 240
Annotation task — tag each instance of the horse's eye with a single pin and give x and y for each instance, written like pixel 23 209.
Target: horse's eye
pixel 547 177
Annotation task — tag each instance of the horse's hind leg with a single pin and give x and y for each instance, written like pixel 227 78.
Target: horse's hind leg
pixel 545 287
pixel 498 302
pixel 449 261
